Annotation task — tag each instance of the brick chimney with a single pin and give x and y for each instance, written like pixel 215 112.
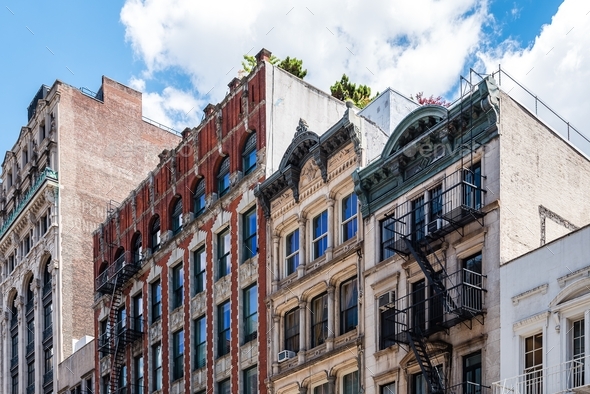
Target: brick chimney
pixel 209 109
pixel 263 55
pixel 234 84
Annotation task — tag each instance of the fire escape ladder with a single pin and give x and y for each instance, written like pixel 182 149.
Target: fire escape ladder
pixel 116 342
pixel 431 374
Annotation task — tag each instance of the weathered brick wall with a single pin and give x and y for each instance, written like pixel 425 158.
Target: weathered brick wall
pixel 105 148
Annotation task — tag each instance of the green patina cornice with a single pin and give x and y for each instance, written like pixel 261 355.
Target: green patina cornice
pixel 409 159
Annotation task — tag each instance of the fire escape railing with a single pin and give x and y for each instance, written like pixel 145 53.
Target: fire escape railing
pixel 415 226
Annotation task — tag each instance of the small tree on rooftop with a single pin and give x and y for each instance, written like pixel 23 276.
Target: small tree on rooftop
pixel 293 66
pixel 249 62
pixel 344 89
pixel 431 100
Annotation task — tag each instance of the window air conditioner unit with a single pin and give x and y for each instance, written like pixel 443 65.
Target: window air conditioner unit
pixel 285 355
pixel 435 225
pixel 386 300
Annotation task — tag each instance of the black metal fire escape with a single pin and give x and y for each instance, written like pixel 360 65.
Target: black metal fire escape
pixel 121 330
pixel 417 228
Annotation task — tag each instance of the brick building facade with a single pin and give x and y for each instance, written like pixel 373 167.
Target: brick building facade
pixel 67 163
pixel 179 282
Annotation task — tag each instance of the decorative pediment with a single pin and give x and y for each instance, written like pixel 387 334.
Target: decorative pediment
pixel 300 146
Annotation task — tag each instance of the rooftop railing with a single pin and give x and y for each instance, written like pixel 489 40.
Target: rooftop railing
pixel 47 174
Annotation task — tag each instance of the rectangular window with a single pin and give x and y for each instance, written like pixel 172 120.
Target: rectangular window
pixel 472 283
pixel 348 306
pixel 177 286
pixel 472 373
pixel 292 330
pixel 123 378
pixel 249 249
pixel 138 311
pixel 200 343
pixel 320 234
pixel 30 332
pixel 138 375
pixel 90 387
pixel 350 383
pixel 292 251
pixel 419 305
pixel 156 301
pixel 104 336
pixel 11 263
pixel 472 191
pixel 224 387
pixel 178 355
pixel 435 203
pixel 386 321
pixel 48 357
pixel 388 388
pixel 319 320
pixel 322 389
pixel 418 215
pixel 419 385
pixel 31 375
pixel 200 273
pixel 387 237
pixel 105 386
pixel 578 351
pixel 349 217
pixel 15 384
pixel 223 324
pixel 47 312
pixel 533 363
pixel 223 254
pixel 121 320
pixel 251 381
pixel 157 363
pixel 14 343
pixel 250 313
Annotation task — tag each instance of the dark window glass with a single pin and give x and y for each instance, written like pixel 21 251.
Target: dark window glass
pixel 199 198
pixel 249 155
pixel 177 217
pixel 319 320
pixel 138 375
pixel 223 178
pixel 155 234
pixel 348 306
pixel 121 320
pixel 388 388
pixel 223 324
pixel 323 389
pixel 200 273
pixel 387 237
pixel 223 253
pixel 224 387
pixel 156 301
pixel 435 202
pixel 472 190
pixel 178 355
pixel 249 248
pixel 137 249
pixel 157 364
pixel 419 305
pixel 47 316
pixel 292 330
pixel 48 354
pixel 177 286
pixel 251 381
pixel 250 313
pixel 31 374
pixel 200 343
pixel 14 387
pixel 292 251
pixel 472 373
pixel 138 313
pixel 350 383
pixel 418 219
pixel 349 217
pixel 320 234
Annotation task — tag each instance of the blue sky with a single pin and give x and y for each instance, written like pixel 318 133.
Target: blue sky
pixel 174 56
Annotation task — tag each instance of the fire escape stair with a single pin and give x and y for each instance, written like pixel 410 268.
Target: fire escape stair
pixel 431 374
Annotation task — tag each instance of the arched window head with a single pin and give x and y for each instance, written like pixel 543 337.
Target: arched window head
pixel 136 248
pixel 155 234
pixel 223 177
pixel 249 155
pixel 199 198
pixel 29 293
pixel 176 217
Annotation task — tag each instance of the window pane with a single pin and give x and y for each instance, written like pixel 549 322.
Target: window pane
pixel 292 251
pixel 349 217
pixel 250 381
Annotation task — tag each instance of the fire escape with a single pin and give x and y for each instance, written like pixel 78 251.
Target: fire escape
pixel 121 330
pixel 417 229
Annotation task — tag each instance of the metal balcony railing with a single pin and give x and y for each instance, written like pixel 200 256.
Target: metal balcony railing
pixel 105 345
pixel 13 362
pixel 29 306
pixel 31 389
pixel 457 201
pixel 468 388
pixel 47 174
pixel 569 377
pixel 119 272
pixel 129 329
pixel 131 389
pixel 48 377
pixel 47 333
pixel 30 348
pixel 426 312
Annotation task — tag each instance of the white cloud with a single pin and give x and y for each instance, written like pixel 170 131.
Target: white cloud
pixel 556 67
pixel 413 46
pixel 173 108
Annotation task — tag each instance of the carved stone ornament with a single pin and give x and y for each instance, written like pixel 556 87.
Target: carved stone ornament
pixel 49 195
pixel 302 127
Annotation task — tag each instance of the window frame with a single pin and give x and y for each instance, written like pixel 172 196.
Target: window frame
pixel 223 181
pixel 349 219
pixel 292 254
pixel 354 378
pixel 199 200
pixel 156 300
pixel 200 342
pixel 157 381
pixel 249 237
pixel 250 317
pixel 294 338
pixel 249 388
pixel 321 324
pixel 155 233
pixel 176 216
pixel 223 329
pixel 178 355
pixel 319 240
pixel 221 389
pixel 137 304
pixel 177 286
pixel 223 256
pixel 345 310
pixel 200 269
pixel 250 148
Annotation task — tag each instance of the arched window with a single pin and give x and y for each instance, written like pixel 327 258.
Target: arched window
pixel 176 217
pixel 155 233
pixel 29 298
pixel 199 198
pixel 249 155
pixel 46 280
pixel 223 177
pixel 136 248
pixel 119 260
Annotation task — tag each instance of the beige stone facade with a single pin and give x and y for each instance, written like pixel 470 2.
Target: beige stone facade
pixel 71 159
